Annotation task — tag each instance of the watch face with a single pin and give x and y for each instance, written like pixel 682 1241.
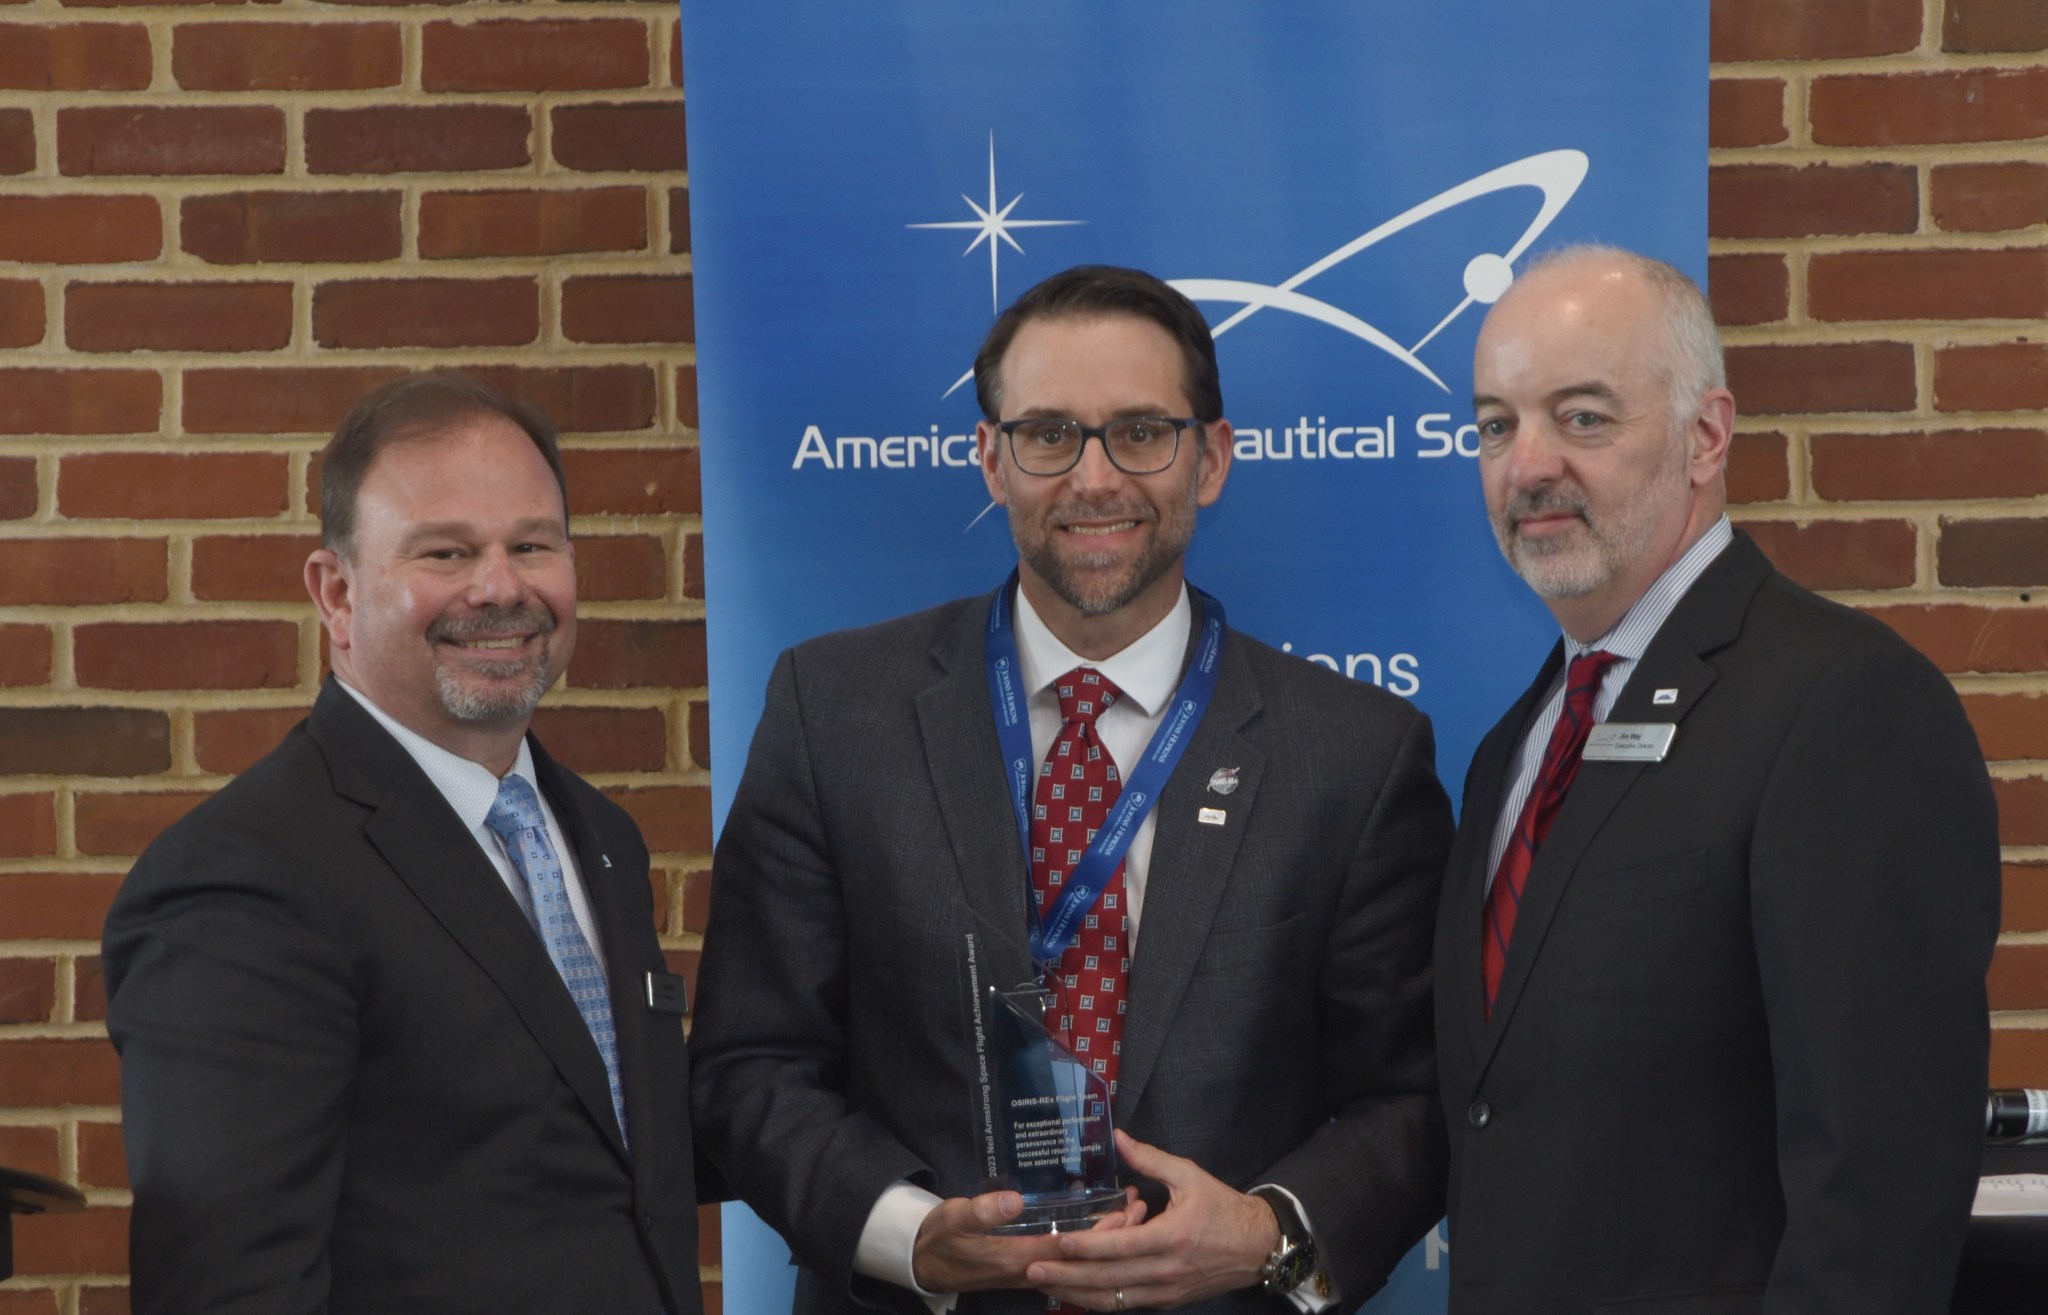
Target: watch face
pixel 1294 1268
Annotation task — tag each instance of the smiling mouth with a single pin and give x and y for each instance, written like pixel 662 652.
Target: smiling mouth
pixel 1114 527
pixel 517 642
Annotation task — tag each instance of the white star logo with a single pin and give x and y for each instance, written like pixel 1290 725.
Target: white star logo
pixel 992 224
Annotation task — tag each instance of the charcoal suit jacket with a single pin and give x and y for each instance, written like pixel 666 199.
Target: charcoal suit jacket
pixel 352 1080
pixel 1278 1026
pixel 1737 1062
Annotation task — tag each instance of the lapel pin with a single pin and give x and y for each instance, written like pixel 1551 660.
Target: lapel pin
pixel 1664 696
pixel 1223 781
pixel 607 859
pixel 1212 816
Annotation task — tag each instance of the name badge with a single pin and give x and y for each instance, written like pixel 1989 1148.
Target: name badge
pixel 667 994
pixel 1630 742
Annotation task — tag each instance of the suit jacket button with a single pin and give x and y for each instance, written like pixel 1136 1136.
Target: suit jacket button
pixel 1480 1114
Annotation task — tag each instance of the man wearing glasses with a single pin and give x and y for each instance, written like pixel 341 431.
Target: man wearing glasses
pixel 1251 977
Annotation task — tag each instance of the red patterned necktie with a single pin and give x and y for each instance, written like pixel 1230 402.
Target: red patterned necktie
pixel 1553 779
pixel 1077 786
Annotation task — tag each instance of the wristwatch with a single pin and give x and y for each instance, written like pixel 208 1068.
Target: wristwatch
pixel 1291 1265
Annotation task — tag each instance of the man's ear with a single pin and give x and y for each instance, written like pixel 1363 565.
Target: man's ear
pixel 988 446
pixel 332 586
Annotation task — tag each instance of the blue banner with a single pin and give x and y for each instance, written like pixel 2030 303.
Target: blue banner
pixel 1343 186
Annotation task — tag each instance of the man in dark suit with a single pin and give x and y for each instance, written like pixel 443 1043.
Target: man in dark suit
pixel 395 1030
pixel 1710 963
pixel 1275 1040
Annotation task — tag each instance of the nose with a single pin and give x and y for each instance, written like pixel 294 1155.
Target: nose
pixel 1094 470
pixel 1533 460
pixel 496 580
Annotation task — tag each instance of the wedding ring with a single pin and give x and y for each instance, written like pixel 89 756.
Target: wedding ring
pixel 1119 1298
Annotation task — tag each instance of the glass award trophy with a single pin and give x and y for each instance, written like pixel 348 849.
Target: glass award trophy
pixel 1045 1119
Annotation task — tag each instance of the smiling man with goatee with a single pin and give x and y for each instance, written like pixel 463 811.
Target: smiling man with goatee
pixel 396 1034
pixel 1218 864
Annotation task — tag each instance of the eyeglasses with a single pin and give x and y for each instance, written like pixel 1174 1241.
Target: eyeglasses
pixel 1138 445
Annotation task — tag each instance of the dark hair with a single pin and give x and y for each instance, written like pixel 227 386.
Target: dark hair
pixel 1090 290
pixel 416 406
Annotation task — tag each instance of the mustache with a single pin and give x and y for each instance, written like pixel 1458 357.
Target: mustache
pixel 1087 511
pixel 1544 502
pixel 488 620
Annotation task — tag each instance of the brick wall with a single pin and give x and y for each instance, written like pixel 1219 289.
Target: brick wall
pixel 219 222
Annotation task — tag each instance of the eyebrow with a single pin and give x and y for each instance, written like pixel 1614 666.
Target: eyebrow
pixel 1121 413
pixel 1590 388
pixel 541 527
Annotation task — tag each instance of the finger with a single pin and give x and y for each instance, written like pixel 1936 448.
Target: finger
pixel 992 1208
pixel 1103 1275
pixel 1151 1161
pixel 1110 1243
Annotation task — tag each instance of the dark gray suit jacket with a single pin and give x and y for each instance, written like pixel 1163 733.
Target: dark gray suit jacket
pixel 1737 1063
pixel 1278 1027
pixel 352 1080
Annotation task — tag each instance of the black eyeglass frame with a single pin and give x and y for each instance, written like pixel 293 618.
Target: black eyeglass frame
pixel 1100 433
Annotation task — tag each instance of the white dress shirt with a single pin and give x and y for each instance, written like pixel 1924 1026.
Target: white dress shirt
pixel 470 789
pixel 1628 640
pixel 1148 671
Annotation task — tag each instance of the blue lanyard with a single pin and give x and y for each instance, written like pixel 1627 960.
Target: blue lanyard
pixel 1050 937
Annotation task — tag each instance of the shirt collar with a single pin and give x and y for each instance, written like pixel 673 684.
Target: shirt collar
pixel 470 787
pixel 1630 637
pixel 1147 670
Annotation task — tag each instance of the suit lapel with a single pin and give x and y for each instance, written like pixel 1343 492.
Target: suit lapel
pixel 966 765
pixel 427 847
pixel 1189 869
pixel 1707 618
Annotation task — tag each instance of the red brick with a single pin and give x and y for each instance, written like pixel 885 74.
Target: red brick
pixel 48 1071
pixel 2022 810
pixel 1983 26
pixel 678 219
pixel 1989 198
pixel 25 653
pixel 168 317
pixel 1840 554
pixel 638 655
pixel 2018 977
pixel 1999 377
pixel 21 313
pixel 465 225
pixel 633 481
pixel 418 138
pixel 170 140
pixel 187 655
pixel 243 228
pixel 2026 897
pixel 686 396
pixel 74 57
pixel 605 739
pixel 252 567
pixel 572 54
pixel 17 488
pixel 84 742
pixel 631 308
pixel 1993 553
pixel 427 313
pixel 675 58
pixel 1960 638
pixel 693 566
pixel 696 901
pixel 1749 288
pixel 1769 200
pixel 1819 377
pixel 96 1300
pixel 79 230
pixel 17 141
pixel 55 906
pixel 122 825
pixel 1906 109
pixel 1812 29
pixel 2009 726
pixel 32 1148
pixel 102 1159
pixel 29 1301
pixel 173 485
pixel 581 399
pixel 621 566
pixel 28 990
pixel 1927 285
pixel 231 742
pixel 2019 1057
pixel 28 825
pixel 281 400
pixel 88 990
pixel 94 1241
pixel 79 572
pixel 1982 463
pixel 674 819
pixel 60 401
pixel 700 733
pixel 645 137
pixel 290 56
pixel 1758 469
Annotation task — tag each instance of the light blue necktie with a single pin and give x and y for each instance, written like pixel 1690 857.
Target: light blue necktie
pixel 516 819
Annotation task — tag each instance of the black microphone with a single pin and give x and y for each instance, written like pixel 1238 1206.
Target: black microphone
pixel 2015 1112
